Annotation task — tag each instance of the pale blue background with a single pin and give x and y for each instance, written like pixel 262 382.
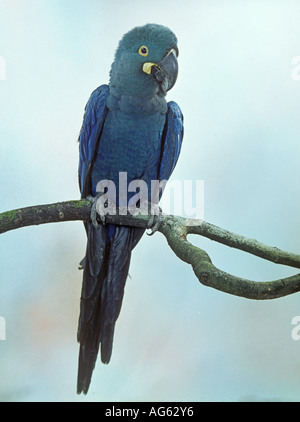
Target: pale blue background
pixel 175 339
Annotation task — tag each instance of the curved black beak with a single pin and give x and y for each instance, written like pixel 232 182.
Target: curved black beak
pixel 166 71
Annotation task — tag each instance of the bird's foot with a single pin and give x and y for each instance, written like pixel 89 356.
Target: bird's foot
pixel 81 264
pixel 155 218
pixel 94 212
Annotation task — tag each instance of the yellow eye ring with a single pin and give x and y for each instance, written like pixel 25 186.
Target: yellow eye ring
pixel 143 51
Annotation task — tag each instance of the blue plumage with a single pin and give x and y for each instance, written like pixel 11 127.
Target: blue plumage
pixel 95 112
pixel 128 127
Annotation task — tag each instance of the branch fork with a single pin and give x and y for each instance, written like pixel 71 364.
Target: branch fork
pixel 176 230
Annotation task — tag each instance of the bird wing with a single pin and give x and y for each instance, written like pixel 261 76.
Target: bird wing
pixel 171 141
pixel 93 120
pixel 94 116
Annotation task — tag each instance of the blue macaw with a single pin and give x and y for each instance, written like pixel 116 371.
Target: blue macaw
pixel 127 127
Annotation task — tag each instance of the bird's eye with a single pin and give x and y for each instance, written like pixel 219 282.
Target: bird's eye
pixel 143 51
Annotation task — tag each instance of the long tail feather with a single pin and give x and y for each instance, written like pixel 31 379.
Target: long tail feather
pixel 105 273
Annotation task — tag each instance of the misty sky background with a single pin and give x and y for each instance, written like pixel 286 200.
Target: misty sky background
pixel 175 339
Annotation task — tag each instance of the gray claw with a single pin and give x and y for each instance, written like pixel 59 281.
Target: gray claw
pixel 81 264
pixel 94 213
pixel 153 223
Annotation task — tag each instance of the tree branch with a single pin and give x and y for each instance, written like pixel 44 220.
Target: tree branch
pixel 176 230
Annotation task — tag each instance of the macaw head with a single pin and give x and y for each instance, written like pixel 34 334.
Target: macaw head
pixel 145 62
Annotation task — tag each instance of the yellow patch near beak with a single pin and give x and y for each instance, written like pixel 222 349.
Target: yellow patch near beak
pixel 147 67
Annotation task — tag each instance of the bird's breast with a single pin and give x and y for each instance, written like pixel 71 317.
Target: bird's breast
pixel 131 144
